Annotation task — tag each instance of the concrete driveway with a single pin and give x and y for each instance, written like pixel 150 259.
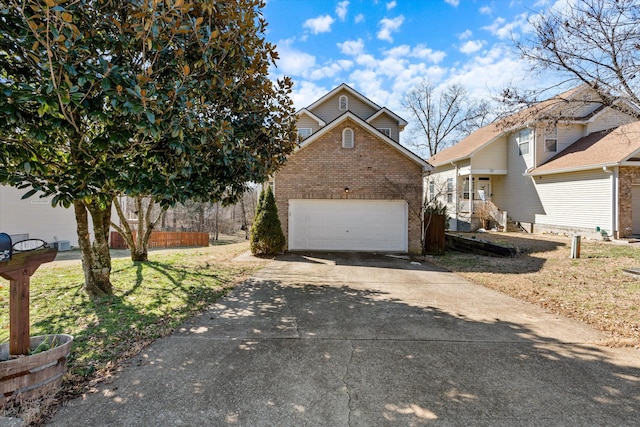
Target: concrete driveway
pixel 369 340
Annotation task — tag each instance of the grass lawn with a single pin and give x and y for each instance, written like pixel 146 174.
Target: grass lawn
pixel 593 288
pixel 149 301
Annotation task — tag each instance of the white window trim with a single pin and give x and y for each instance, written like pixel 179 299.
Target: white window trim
pixel 346 103
pixel 345 143
pixel 524 142
pixel 305 134
pixel 386 131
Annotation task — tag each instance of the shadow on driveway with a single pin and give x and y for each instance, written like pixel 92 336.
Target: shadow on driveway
pixel 336 341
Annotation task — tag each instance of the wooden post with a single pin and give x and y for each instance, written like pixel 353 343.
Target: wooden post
pixel 19 271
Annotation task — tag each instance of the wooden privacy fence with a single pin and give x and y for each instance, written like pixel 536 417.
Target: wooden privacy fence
pixel 434 241
pixel 164 239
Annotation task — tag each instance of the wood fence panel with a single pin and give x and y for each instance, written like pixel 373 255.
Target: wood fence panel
pixel 434 235
pixel 164 239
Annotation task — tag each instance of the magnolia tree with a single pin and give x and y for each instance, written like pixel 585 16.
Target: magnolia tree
pixel 166 99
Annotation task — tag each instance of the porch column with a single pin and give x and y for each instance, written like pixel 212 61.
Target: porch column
pixel 471 190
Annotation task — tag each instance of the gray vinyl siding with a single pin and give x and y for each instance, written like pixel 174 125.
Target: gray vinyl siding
pixel 384 121
pixel 329 111
pixel 580 200
pixel 308 122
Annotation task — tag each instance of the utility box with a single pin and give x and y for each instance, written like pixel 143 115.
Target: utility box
pixel 61 245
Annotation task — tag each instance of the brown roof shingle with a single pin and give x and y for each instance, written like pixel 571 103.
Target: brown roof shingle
pixel 487 134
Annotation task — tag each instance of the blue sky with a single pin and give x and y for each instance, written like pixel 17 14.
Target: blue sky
pixel 382 48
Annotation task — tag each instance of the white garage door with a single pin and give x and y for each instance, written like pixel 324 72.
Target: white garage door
pixel 348 225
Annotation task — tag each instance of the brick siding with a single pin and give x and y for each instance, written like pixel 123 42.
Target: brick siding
pixel 371 170
pixel 627 176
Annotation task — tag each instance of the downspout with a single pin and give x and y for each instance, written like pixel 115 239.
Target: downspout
pixel 614 201
pixel 455 188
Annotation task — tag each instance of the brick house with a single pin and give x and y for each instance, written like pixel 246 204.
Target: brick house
pixel 350 185
pixel 566 165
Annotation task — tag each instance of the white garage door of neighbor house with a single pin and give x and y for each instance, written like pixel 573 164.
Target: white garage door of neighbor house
pixel 348 225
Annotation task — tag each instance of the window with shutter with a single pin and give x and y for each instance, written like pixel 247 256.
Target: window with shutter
pixel 347 138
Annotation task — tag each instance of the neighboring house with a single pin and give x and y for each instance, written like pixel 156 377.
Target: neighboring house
pixel 34 218
pixel 350 185
pixel 566 165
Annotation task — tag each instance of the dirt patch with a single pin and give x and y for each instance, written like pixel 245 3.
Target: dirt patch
pixel 594 288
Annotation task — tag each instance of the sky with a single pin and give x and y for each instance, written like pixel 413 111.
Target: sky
pixel 383 48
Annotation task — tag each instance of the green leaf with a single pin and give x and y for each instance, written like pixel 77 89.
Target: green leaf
pixel 29 194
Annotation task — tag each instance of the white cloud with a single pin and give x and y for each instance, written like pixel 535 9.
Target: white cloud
pixel 504 30
pixel 423 52
pixel 359 18
pixel 472 46
pixel 391 5
pixel 366 60
pixel 352 47
pixel 306 93
pixel 464 35
pixel 495 25
pixel 398 51
pixel 330 71
pixel 485 10
pixel 453 3
pixel 341 9
pixel 388 26
pixel 321 24
pixel 292 61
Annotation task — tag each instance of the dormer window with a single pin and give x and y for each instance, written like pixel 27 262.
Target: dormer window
pixel 386 131
pixel 343 103
pixel 551 139
pixel 347 138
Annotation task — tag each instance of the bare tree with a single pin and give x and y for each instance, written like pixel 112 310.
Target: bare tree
pixel 443 116
pixel 592 42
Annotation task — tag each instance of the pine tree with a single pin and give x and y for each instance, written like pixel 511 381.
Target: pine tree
pixel 267 237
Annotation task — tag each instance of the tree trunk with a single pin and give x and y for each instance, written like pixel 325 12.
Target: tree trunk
pixel 96 259
pixel 217 220
pixel 139 244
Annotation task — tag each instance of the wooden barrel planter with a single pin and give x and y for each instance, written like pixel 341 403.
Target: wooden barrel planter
pixel 34 375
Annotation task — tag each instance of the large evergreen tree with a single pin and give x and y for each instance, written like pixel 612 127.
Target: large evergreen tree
pixel 267 237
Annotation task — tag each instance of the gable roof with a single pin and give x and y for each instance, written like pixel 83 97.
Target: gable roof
pixel 599 149
pixel 469 145
pixel 351 91
pixel 539 112
pixel 311 115
pixel 349 115
pixel 384 110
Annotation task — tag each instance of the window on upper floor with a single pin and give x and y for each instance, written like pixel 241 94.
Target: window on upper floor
pixel 386 131
pixel 449 190
pixel 304 132
pixel 551 138
pixel 347 138
pixel 524 138
pixel 343 103
pixel 432 189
